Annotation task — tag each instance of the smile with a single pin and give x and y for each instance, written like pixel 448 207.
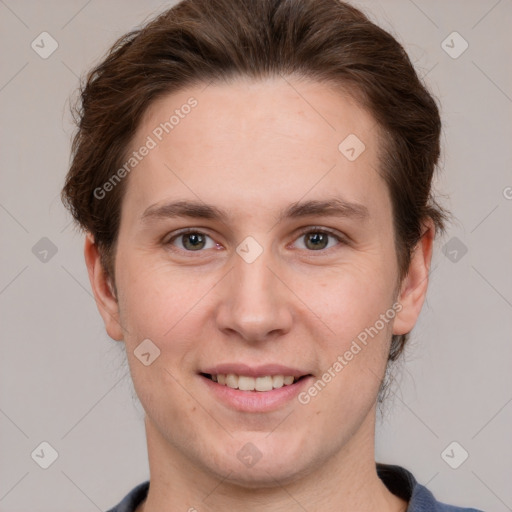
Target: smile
pixel 248 383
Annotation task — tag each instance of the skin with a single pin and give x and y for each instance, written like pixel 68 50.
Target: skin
pixel 253 148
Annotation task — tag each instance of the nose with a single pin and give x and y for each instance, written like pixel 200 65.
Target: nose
pixel 255 305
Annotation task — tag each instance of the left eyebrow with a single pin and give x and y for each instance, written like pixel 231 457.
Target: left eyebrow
pixel 198 210
pixel 332 207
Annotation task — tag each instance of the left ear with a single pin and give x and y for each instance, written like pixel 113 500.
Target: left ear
pixel 414 285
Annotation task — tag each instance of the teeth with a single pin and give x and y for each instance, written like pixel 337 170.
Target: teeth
pixel 245 383
pixel 232 381
pixel 263 384
pixel 277 381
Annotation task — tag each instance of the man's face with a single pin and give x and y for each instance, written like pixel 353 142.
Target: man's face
pixel 257 292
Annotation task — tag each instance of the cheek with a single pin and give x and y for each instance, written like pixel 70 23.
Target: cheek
pixel 156 297
pixel 158 300
pixel 348 299
pixel 356 304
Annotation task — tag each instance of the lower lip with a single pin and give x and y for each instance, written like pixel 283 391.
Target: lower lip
pixel 256 401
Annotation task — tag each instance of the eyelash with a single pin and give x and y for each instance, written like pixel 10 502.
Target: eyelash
pixel 306 231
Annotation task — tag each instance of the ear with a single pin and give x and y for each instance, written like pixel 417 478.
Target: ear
pixel 102 288
pixel 415 283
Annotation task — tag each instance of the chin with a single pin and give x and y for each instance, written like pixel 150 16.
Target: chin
pixel 262 464
pixel 264 476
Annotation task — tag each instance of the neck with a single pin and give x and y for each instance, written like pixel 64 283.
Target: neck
pixel 346 482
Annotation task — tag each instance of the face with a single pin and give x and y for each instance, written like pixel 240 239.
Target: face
pixel 284 270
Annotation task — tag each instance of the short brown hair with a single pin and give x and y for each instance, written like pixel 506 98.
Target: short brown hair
pixel 203 41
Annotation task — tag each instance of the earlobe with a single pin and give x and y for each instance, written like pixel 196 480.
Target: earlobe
pixel 415 284
pixel 103 290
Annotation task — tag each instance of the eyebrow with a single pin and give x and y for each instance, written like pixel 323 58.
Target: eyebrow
pixel 335 207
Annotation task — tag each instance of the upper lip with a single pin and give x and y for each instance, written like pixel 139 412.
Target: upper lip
pixel 254 371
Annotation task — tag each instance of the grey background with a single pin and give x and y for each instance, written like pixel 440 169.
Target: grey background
pixel 64 381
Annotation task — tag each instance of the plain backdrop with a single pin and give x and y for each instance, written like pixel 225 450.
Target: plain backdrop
pixel 64 382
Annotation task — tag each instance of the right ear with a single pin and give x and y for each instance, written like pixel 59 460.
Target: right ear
pixel 102 288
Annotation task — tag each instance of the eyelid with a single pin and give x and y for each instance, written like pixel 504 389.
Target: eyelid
pixel 340 237
pixel 167 240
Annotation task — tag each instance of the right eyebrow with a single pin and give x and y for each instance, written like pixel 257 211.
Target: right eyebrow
pixel 192 209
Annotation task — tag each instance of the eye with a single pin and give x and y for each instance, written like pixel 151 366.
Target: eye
pixel 192 241
pixel 317 239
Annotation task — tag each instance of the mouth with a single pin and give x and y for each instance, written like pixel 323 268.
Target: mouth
pixel 250 388
pixel 248 383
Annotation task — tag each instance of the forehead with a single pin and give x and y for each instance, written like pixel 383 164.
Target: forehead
pixel 259 143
